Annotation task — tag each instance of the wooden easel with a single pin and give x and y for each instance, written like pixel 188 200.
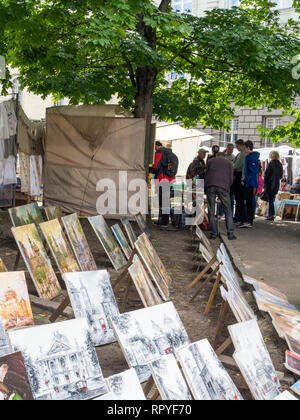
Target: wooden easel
pixel 200 275
pixel 205 283
pixel 220 325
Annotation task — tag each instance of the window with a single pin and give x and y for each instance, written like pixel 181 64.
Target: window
pixel 182 6
pixel 271 123
pixel 232 136
pixel 283 4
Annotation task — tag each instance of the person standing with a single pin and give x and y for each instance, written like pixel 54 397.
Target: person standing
pixel 273 176
pixel 229 152
pixel 198 166
pixel 218 181
pixel 215 151
pixel 295 188
pixel 250 183
pixel 239 165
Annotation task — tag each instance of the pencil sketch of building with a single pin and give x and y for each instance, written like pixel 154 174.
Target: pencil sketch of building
pixel 205 374
pixel 169 379
pixel 60 360
pixel 126 386
pixel 92 298
pixel 4 345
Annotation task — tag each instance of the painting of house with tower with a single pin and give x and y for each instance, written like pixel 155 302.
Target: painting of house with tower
pixel 92 298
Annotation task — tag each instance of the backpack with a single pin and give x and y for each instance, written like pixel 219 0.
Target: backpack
pixel 169 163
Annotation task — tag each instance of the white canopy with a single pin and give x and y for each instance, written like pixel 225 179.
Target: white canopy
pixel 173 132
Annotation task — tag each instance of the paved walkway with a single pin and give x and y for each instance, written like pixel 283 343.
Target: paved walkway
pixel 271 251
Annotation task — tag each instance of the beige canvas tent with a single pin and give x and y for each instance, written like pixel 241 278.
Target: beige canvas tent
pixel 86 144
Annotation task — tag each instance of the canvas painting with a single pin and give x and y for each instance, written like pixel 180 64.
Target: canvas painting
pixel 53 212
pixel 92 298
pixel 60 360
pixel 169 379
pixel 106 397
pixel 2 266
pixel 292 362
pixel 147 334
pixel 120 237
pixel 286 325
pixel 125 386
pixel 15 307
pixel 142 224
pixel 290 210
pixel 79 243
pixel 205 374
pixel 108 241
pixel 143 284
pixel 286 396
pixel 26 215
pixel 37 261
pixel 292 338
pixel 59 246
pixel 207 256
pixel 254 361
pixel 4 343
pixel 129 231
pixel 202 237
pixel 14 382
pixel 296 387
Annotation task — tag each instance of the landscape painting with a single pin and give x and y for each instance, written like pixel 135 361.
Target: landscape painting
pixel 120 237
pixel 108 241
pixel 169 379
pixel 2 266
pixel 59 246
pixel 92 298
pixel 26 215
pixel 125 386
pixel 4 344
pixel 147 334
pixel 206 376
pixel 129 231
pixel 142 224
pixel 53 212
pixel 37 261
pixel 14 382
pixel 143 284
pixel 60 360
pixel 15 307
pixel 79 243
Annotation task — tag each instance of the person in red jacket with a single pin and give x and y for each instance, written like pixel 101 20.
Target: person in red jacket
pixel 163 184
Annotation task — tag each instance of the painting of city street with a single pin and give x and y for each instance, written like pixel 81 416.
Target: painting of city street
pixel 120 237
pixel 2 266
pixel 14 382
pixel 4 344
pixel 143 284
pixel 206 376
pixel 142 224
pixel 37 261
pixel 15 307
pixel 169 380
pixel 79 243
pixel 146 334
pixel 59 246
pixel 60 360
pixel 253 360
pixel 26 215
pixel 129 231
pixel 92 298
pixel 108 241
pixel 147 259
pixel 125 386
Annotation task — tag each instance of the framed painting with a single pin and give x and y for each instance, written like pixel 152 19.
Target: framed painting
pixel 26 215
pixel 37 261
pixel 60 360
pixel 59 246
pixel 15 307
pixel 125 386
pixel 92 298
pixel 108 241
pixel 79 243
pixel 120 237
pixel 290 210
pixel 129 231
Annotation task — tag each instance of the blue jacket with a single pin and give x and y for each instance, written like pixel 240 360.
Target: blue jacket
pixel 252 170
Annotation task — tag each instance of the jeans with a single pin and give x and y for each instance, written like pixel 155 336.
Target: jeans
pixel 221 208
pixel 224 196
pixel 247 208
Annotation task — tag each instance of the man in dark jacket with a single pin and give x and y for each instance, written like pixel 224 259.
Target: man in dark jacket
pixel 197 167
pixel 250 183
pixel 218 182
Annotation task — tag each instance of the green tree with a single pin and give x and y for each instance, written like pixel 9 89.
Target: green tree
pixel 90 50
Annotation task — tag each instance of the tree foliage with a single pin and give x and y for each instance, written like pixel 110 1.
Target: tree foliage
pixel 90 50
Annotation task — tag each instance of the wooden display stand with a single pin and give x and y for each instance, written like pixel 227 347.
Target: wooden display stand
pixel 220 325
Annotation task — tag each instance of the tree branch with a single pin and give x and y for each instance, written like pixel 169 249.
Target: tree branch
pixel 164 5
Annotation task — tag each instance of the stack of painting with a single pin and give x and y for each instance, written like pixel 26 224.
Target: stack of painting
pixel 79 243
pixel 59 246
pixel 15 308
pixel 125 386
pixel 120 237
pixel 206 376
pixel 37 261
pixel 254 361
pixel 14 382
pixel 129 231
pixel 147 334
pixel 108 242
pixel 92 298
pixel 60 360
pixel 143 284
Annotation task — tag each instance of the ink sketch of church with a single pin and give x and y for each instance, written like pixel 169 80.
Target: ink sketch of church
pixel 92 298
pixel 60 360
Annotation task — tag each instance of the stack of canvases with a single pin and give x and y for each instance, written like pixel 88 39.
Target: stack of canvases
pixel 8 125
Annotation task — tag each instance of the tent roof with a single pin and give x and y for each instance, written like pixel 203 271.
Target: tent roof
pixel 172 132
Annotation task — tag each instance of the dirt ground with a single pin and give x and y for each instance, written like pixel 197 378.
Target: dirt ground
pixel 176 251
